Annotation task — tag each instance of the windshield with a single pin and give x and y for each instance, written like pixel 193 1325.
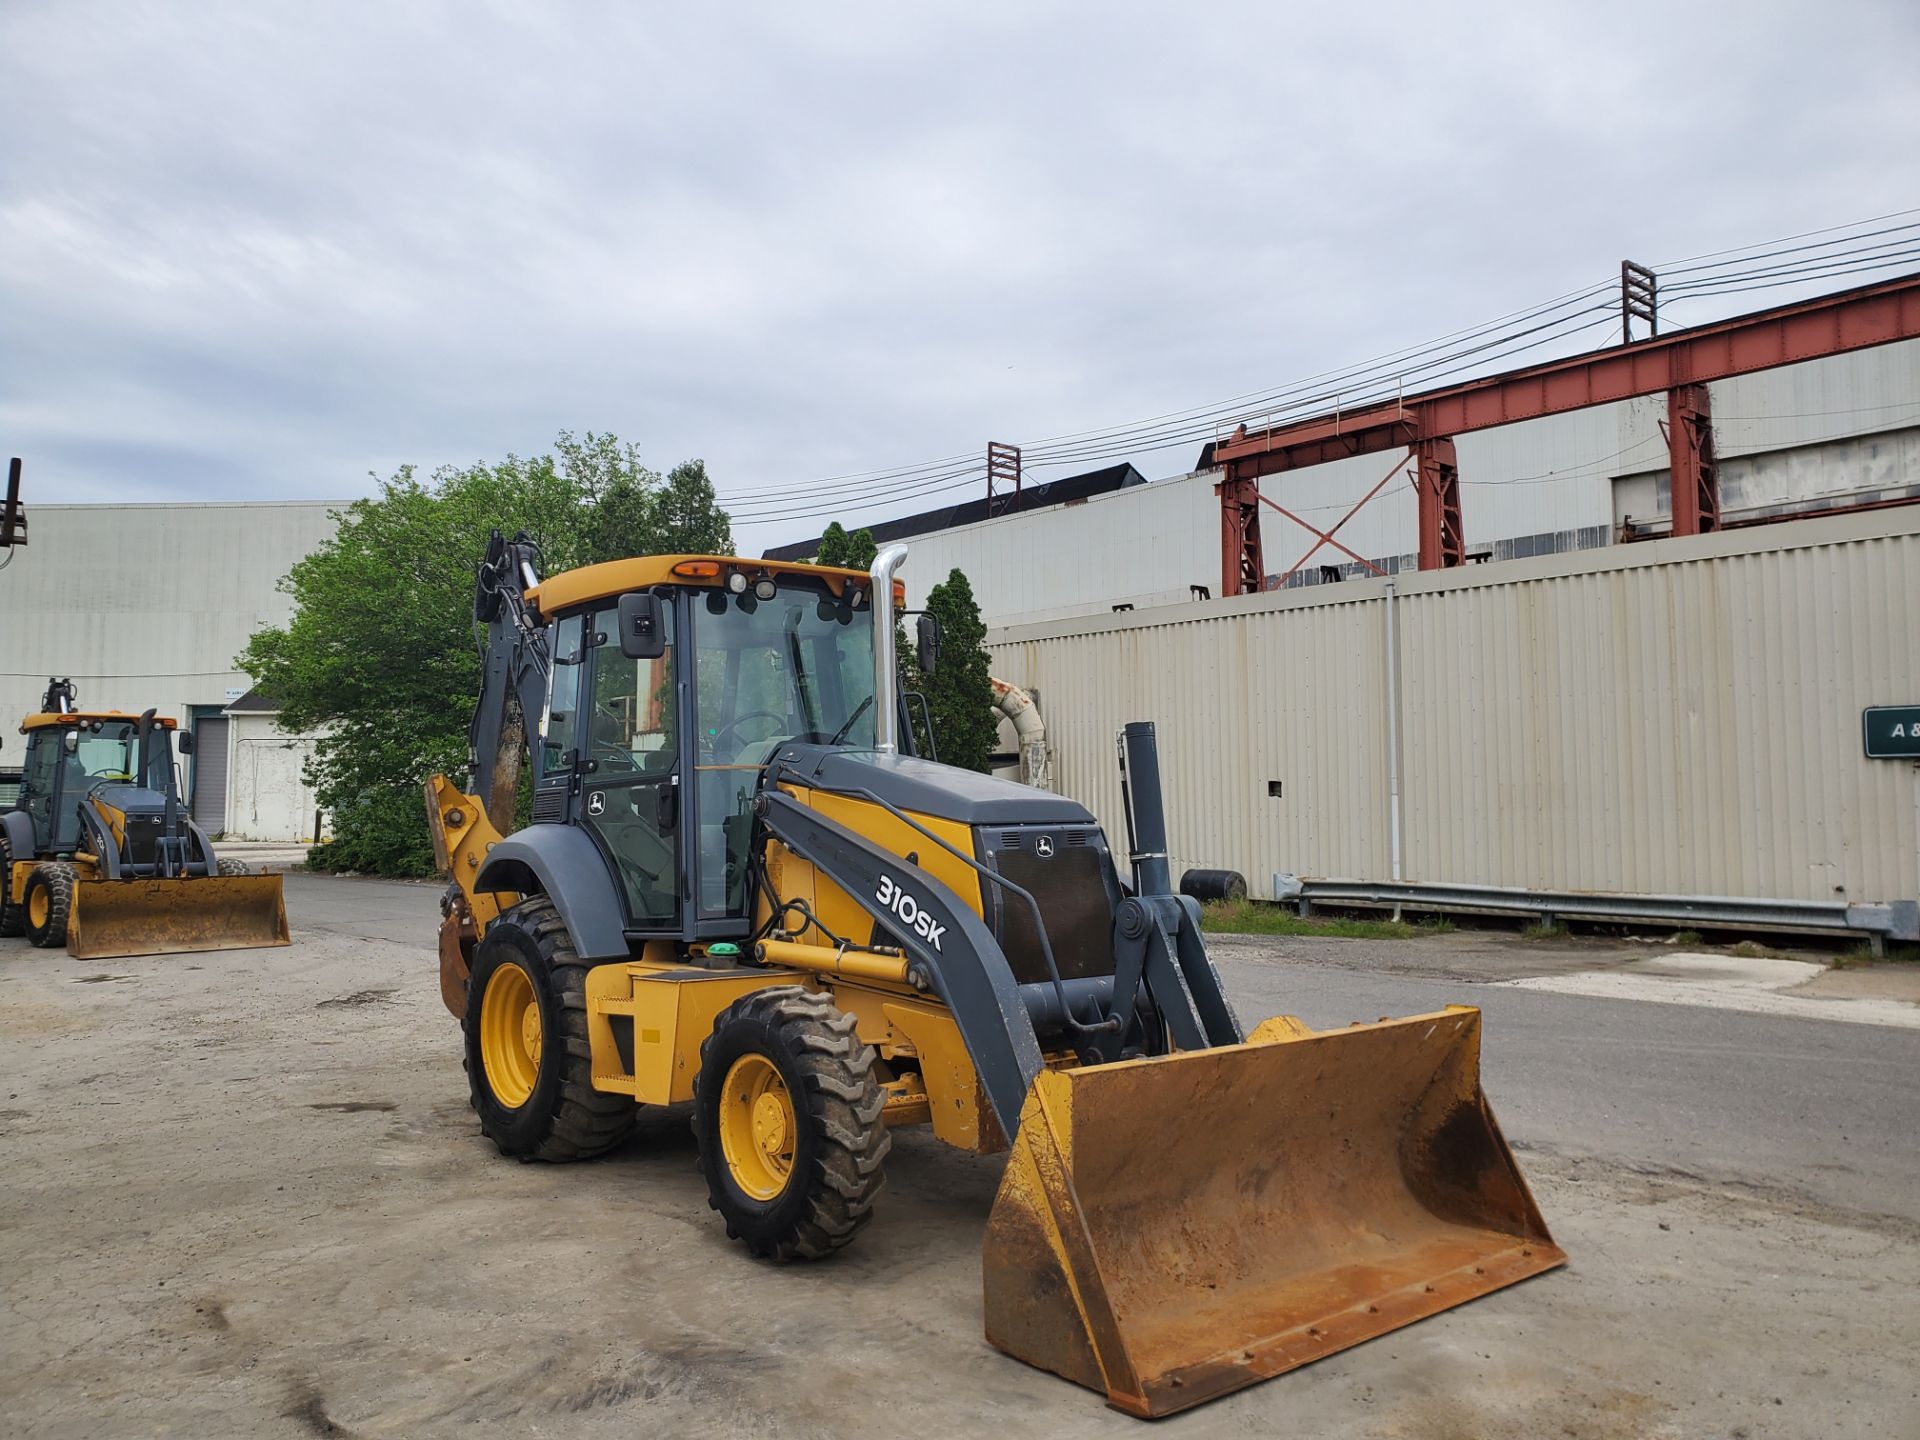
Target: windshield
pixel 796 667
pixel 105 754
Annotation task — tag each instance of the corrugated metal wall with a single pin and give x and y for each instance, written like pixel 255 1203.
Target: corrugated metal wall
pixel 1680 717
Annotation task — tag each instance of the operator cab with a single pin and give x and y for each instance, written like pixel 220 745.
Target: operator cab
pixel 646 748
pixel 70 755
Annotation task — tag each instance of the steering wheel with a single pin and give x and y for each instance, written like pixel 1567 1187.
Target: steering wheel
pixel 719 736
pixel 611 753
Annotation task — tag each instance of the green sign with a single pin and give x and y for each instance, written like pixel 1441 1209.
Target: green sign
pixel 1892 731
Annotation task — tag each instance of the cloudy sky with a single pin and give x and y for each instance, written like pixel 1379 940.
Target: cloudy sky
pixel 256 249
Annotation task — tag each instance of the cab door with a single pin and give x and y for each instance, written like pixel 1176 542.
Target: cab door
pixel 38 783
pixel 629 766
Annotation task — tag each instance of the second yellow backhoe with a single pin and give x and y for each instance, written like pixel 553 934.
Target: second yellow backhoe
pixel 98 855
pixel 740 888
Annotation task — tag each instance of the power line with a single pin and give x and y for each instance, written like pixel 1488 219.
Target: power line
pixel 1867 257
pixel 1374 381
pixel 1665 270
pixel 1825 230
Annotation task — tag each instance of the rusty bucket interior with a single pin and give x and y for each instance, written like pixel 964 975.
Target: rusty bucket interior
pixel 1170 1230
pixel 177 916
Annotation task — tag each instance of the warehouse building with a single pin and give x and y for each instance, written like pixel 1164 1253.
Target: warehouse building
pixel 147 605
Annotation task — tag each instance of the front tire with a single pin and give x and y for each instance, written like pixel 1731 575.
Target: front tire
pixel 787 1115
pixel 47 903
pixel 529 1063
pixel 232 867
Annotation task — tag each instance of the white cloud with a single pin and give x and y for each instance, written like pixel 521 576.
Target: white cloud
pixel 262 251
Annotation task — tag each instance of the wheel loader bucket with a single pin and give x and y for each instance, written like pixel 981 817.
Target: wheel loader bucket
pixel 1171 1230
pixel 166 917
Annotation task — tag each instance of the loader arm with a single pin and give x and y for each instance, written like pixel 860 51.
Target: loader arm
pixel 967 968
pixel 1162 968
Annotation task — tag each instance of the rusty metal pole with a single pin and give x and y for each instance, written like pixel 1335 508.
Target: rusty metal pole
pixel 1443 542
pixel 1639 300
pixel 1242 565
pixel 1003 478
pixel 1693 476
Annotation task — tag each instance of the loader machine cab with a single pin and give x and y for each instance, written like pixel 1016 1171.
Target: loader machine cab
pixel 741 888
pixel 658 755
pixel 68 759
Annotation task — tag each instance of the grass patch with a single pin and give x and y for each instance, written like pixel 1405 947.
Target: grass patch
pixel 1250 917
pixel 1754 950
pixel 1688 937
pixel 1899 952
pixel 1544 930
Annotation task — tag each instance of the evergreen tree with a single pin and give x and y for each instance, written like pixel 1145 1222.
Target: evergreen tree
pixel 959 691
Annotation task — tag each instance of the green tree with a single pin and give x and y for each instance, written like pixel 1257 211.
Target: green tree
pixel 853 552
pixel 380 653
pixel 687 518
pixel 634 511
pixel 959 691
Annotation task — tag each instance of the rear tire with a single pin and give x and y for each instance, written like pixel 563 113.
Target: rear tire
pixel 232 867
pixel 787 1116
pixel 529 1064
pixel 47 902
pixel 12 917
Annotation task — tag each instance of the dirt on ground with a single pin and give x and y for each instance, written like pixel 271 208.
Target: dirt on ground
pixel 243 1194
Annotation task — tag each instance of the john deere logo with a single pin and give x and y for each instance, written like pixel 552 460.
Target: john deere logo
pixel 1043 847
pixel 596 803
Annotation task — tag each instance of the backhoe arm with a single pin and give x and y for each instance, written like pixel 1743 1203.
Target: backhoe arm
pixel 513 682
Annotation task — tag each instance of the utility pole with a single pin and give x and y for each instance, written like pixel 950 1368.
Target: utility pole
pixel 1003 478
pixel 1639 300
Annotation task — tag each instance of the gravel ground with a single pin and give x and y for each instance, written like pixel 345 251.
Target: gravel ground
pixel 242 1194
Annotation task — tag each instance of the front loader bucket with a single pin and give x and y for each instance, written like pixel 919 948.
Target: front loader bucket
pixel 1171 1230
pixel 167 917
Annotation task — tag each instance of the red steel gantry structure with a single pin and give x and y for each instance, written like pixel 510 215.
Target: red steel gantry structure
pixel 1680 363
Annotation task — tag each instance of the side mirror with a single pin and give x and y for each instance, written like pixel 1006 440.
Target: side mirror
pixel 70 741
pixel 185 742
pixel 927 643
pixel 643 631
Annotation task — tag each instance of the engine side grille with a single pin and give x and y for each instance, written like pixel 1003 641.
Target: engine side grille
pixel 549 806
pixel 1069 873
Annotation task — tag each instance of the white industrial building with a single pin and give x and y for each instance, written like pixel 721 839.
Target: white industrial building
pixel 1819 435
pixel 147 605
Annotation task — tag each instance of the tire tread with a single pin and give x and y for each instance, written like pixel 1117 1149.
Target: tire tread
pixel 844 1100
pixel 584 1122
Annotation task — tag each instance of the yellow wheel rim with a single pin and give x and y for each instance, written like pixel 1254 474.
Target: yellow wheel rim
pixel 757 1127
pixel 510 1035
pixel 38 906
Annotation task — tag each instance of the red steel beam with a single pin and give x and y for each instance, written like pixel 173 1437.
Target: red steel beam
pixel 1809 330
pixel 1693 476
pixel 1443 539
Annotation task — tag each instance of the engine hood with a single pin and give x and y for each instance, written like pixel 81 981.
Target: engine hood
pixel 927 788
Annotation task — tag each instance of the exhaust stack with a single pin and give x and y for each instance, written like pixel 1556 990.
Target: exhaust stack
pixel 886 665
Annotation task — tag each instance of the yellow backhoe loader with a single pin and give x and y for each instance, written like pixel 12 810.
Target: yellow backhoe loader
pixel 741 888
pixel 97 853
